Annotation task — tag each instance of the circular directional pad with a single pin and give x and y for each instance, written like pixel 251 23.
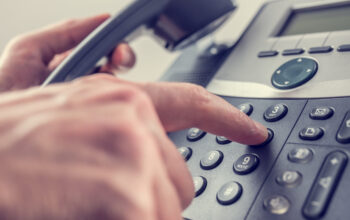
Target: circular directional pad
pixel 294 73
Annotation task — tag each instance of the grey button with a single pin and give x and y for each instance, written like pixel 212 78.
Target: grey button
pixel 311 133
pixel 300 155
pixel 246 108
pixel 289 179
pixel 277 204
pixel 194 134
pixel 211 160
pixel 222 140
pixel 229 193
pixel 321 113
pixel 200 183
pixel 186 152
pixel 246 164
pixel 275 112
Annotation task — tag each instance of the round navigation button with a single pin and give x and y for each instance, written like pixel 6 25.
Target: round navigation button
pixel 194 134
pixel 277 204
pixel 245 164
pixel 200 183
pixel 300 155
pixel 229 193
pixel 294 73
pixel 211 160
pixel 289 179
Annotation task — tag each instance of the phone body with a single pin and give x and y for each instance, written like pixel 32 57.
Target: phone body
pixel 289 71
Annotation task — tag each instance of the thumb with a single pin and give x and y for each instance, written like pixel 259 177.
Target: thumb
pixel 58 38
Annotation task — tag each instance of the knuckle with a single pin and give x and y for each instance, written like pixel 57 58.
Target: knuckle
pixel 199 95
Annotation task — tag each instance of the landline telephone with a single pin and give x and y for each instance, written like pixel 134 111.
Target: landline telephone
pixel 289 71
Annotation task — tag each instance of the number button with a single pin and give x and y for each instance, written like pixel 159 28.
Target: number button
pixel 185 152
pixel 246 108
pixel 222 140
pixel 275 112
pixel 246 164
pixel 200 183
pixel 211 160
pixel 229 193
pixel 195 134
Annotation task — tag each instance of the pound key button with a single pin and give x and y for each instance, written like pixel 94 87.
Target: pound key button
pixel 343 135
pixel 300 155
pixel 200 183
pixel 321 113
pixel 275 112
pixel 246 164
pixel 311 133
pixel 325 184
pixel 195 134
pixel 211 160
pixel 229 193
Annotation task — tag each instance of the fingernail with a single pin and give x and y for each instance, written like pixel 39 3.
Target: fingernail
pixel 128 58
pixel 262 130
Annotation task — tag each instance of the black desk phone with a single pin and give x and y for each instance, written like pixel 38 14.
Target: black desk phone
pixel 289 71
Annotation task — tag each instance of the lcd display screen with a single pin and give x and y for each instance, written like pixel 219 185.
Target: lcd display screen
pixel 317 20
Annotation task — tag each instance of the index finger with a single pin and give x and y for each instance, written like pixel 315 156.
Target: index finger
pixel 183 105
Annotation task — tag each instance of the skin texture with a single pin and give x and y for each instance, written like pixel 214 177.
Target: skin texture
pixel 96 148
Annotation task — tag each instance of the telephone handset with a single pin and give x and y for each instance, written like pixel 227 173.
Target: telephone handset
pixel 176 23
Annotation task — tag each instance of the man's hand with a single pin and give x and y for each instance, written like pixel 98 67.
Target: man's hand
pixel 30 58
pixel 96 149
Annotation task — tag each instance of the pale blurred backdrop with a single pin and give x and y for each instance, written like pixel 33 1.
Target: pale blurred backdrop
pixel 18 16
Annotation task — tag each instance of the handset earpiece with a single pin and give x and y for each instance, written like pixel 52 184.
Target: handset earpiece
pixel 176 23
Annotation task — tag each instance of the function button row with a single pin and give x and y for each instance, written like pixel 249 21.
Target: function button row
pixel 268 53
pixel 300 155
pixel 344 48
pixel 229 193
pixel 311 133
pixel 295 51
pixel 325 184
pixel 343 134
pixel 246 164
pixel 195 134
pixel 275 112
pixel 277 204
pixel 211 160
pixel 186 152
pixel 246 108
pixel 321 113
pixel 200 183
pixel 323 49
pixel 289 179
